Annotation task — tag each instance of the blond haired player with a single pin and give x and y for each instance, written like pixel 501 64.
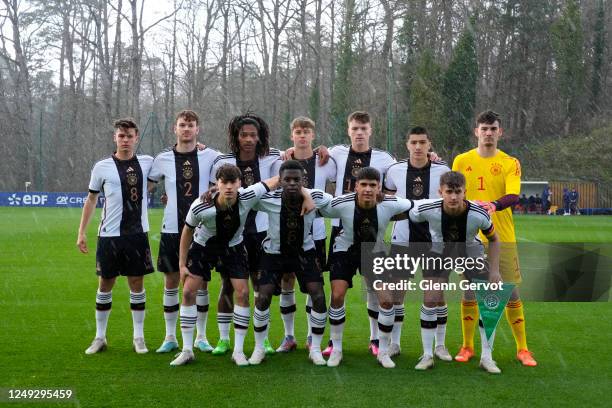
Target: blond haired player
pixel 494 178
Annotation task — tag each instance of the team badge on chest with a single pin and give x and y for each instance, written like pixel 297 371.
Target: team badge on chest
pixel 496 169
pixel 357 165
pixel 249 177
pixel 417 187
pixel 132 177
pixel 453 233
pixel 187 170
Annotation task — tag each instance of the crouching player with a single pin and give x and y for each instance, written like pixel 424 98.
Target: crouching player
pixel 289 248
pixel 453 219
pixel 364 219
pixel 218 244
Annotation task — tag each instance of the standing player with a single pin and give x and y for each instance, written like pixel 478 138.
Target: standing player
pixel 453 220
pixel 316 175
pixel 186 173
pixel 289 248
pixel 416 178
pixel 123 244
pixel 349 160
pixel 363 220
pixel 248 136
pixel 218 244
pixel 494 178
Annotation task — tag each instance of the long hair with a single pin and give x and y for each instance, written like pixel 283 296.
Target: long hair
pixel 263 133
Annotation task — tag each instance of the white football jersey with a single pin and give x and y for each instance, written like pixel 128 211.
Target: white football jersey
pixel 186 177
pixel 204 215
pixel 445 228
pixel 417 184
pixel 322 174
pixel 349 162
pixel 253 172
pixel 376 220
pixel 271 203
pixel 124 186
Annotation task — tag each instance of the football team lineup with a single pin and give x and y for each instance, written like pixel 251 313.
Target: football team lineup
pixel 262 227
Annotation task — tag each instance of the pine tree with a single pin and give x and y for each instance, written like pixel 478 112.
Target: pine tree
pixel 598 57
pixel 459 92
pixel 567 41
pixel 342 84
pixel 426 107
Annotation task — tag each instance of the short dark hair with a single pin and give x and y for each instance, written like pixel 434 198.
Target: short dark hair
pixel 188 115
pixel 368 173
pixel 291 165
pixel 359 116
pixel 125 123
pixel 303 122
pixel 488 117
pixel 228 172
pixel 452 179
pixel 418 130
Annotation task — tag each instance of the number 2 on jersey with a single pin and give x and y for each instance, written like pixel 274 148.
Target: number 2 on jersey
pixel 188 189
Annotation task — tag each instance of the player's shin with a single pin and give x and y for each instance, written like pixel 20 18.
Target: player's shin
pixel 171 310
pixel 308 311
pixel 241 324
pixel 487 345
pixel 104 302
pixel 398 322
pixel 442 315
pixel 469 318
pixel 429 321
pixel 287 309
pixel 137 305
pixel 386 318
pixel 202 303
pixel 337 317
pixel 188 321
pixel 372 304
pixel 317 323
pixel 261 319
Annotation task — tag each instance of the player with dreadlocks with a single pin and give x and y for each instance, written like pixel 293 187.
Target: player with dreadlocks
pixel 248 141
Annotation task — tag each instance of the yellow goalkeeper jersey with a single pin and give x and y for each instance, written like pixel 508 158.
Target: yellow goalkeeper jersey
pixel 488 179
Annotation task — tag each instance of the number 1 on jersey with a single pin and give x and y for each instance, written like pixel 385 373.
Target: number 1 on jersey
pixel 481 188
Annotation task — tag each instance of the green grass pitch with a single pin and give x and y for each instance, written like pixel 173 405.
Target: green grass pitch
pixel 47 302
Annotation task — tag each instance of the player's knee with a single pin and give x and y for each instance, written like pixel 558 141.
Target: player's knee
pixel 106 285
pixel 263 301
pixel 242 295
pixel 386 304
pixel 172 280
pixel 189 296
pixel 337 299
pixel 318 301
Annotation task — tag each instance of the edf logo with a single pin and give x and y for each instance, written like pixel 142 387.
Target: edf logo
pixel 34 199
pixel 14 200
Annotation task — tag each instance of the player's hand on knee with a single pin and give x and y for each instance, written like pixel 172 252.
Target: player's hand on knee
pixel 164 199
pixel 184 272
pixel 82 243
pixel 495 277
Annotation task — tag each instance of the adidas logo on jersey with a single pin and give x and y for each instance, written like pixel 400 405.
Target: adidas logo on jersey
pixel 469 168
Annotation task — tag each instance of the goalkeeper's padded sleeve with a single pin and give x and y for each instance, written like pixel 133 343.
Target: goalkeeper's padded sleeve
pixel 506 201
